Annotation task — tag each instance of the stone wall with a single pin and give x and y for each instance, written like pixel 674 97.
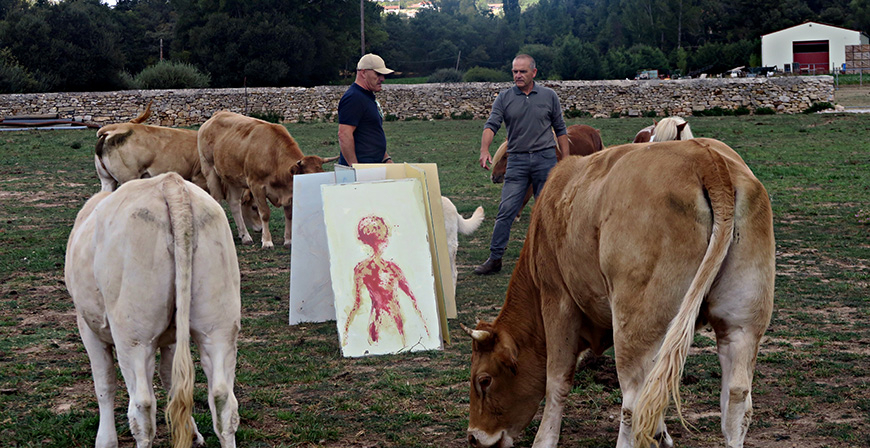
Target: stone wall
pixel 429 101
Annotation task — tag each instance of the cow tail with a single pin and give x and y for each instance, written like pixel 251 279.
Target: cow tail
pixel 180 407
pixel 144 115
pixel 468 226
pixel 663 381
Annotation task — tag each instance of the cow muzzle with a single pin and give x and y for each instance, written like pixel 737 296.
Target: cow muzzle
pixel 480 439
pixel 497 178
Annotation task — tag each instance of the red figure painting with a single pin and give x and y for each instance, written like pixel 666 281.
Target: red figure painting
pixel 382 279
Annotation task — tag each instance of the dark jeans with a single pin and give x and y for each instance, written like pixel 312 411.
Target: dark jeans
pixel 523 169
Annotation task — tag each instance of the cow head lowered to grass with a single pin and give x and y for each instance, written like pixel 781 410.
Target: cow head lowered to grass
pixel 616 257
pixel 504 398
pixel 238 152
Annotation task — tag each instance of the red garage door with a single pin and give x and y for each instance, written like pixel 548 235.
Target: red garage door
pixel 813 56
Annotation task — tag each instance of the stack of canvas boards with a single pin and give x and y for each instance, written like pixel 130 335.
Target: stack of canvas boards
pixel 369 250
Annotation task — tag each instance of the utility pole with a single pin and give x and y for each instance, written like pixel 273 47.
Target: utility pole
pixel 457 59
pixel 161 49
pixel 362 27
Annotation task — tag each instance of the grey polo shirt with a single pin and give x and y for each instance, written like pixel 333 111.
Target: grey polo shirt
pixel 528 118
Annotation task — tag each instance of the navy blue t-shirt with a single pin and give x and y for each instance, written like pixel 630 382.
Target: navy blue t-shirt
pixel 359 108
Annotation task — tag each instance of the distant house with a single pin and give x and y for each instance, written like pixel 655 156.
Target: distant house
pixel 496 8
pixel 810 47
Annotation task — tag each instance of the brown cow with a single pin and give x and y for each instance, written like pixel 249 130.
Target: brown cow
pixel 582 139
pixel 238 152
pixel 616 257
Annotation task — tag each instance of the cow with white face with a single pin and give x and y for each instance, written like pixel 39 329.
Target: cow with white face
pixel 615 256
pixel 149 267
pixel 239 152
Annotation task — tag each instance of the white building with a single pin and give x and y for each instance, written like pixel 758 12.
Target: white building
pixel 816 47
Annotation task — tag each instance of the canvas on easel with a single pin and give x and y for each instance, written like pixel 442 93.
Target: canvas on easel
pixel 383 283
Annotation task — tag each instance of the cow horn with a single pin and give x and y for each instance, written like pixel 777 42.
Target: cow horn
pixel 330 159
pixel 477 335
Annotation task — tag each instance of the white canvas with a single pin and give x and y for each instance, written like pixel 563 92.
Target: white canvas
pixel 311 298
pixel 378 247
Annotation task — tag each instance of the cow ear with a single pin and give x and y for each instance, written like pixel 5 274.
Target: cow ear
pixel 681 126
pixel 507 353
pixel 296 168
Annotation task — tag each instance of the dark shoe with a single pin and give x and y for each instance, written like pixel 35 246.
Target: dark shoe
pixel 488 267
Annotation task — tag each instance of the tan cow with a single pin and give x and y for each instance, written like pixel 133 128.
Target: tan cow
pixel 238 152
pixel 127 151
pixel 632 247
pixel 150 266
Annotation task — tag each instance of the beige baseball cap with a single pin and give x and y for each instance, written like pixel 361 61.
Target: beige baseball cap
pixel 373 62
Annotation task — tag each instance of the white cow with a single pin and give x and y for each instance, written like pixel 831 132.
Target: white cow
pixel 149 266
pixel 454 224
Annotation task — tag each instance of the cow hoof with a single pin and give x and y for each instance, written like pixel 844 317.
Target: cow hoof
pixel 287 244
pixel 247 241
pixel 268 245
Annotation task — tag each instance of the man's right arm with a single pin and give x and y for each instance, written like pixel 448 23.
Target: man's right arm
pixel 496 117
pixel 346 143
pixel 485 141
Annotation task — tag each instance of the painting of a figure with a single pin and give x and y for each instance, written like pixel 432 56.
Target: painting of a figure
pixel 381 267
pixel 380 279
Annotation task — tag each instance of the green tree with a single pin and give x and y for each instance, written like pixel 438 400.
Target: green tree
pixel 618 64
pixel 545 59
pixel 576 59
pixel 69 46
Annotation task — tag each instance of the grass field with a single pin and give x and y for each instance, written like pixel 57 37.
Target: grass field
pixel 295 389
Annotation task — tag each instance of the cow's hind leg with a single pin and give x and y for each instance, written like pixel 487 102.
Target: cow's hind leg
pixel 234 200
pixel 739 310
pixel 739 318
pixel 103 371
pixel 107 182
pixel 218 355
pixel 137 366
pixel 633 362
pixel 165 371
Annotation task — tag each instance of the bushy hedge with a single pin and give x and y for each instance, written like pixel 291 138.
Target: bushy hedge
pixel 172 75
pixel 818 107
pixel 272 116
pixel 483 74
pixel 445 75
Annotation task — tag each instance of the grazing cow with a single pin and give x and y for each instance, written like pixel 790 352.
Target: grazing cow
pixel 150 266
pixel 616 257
pixel 582 140
pixel 455 224
pixel 238 152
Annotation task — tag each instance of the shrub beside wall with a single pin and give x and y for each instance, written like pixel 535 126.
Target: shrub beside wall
pixel 189 107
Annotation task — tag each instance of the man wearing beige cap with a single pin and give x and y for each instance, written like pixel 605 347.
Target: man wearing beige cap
pixel 360 118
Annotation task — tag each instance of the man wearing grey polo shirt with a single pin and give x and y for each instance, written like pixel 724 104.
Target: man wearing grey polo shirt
pixel 529 111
